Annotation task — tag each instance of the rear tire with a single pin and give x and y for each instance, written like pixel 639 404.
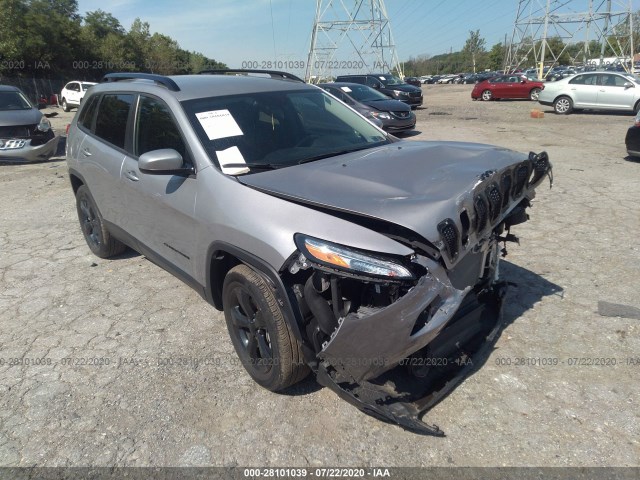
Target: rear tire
pixel 65 106
pixel 262 338
pixel 98 238
pixel 487 95
pixel 563 105
pixel 534 94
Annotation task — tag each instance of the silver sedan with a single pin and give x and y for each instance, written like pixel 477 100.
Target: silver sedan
pixel 593 91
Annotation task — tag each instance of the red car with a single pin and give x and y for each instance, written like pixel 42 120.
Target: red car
pixel 507 86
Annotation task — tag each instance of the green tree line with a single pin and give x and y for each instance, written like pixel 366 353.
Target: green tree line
pixel 50 39
pixel 475 54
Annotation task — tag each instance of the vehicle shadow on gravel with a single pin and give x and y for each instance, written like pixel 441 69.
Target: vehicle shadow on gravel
pixel 407 134
pixel 526 288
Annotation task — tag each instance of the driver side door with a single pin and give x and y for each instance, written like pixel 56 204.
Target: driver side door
pixel 160 207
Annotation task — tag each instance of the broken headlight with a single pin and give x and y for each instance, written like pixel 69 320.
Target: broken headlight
pixel 382 115
pixel 350 260
pixel 44 125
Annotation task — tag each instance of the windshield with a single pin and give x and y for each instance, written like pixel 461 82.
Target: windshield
pixel 278 129
pixel 632 76
pixel 14 101
pixel 362 93
pixel 390 80
pixel 86 86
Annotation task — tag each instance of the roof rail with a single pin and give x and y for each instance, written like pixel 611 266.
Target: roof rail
pixel 160 79
pixel 271 73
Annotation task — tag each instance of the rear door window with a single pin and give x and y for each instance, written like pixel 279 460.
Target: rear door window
pixel 87 114
pixel 111 122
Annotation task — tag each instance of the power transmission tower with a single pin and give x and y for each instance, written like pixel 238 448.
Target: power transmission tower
pixel 351 36
pixel 608 22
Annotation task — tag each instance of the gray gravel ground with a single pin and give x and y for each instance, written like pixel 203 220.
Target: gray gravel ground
pixel 118 363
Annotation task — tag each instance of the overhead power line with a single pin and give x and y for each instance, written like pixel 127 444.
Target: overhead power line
pixel 351 36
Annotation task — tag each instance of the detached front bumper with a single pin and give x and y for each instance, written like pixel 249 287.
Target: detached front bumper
pixel 367 344
pixel 22 150
pixel 457 342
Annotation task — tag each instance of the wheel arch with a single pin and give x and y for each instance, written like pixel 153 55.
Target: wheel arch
pixel 76 181
pixel 636 107
pixel 222 257
pixel 563 95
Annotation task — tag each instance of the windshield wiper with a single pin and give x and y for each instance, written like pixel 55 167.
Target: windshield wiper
pixel 333 154
pixel 256 166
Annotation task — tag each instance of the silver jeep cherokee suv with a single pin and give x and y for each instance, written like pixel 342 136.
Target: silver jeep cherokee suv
pixel 330 245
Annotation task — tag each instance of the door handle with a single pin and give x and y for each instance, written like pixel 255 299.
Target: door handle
pixel 86 152
pixel 131 175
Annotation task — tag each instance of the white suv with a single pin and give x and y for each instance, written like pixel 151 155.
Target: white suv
pixel 72 94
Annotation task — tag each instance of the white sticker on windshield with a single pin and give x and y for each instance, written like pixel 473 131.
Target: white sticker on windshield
pixel 345 89
pixel 382 78
pixel 231 161
pixel 218 124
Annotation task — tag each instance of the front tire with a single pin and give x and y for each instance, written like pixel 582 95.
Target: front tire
pixel 263 340
pixel 563 105
pixel 98 238
pixel 487 95
pixel 534 94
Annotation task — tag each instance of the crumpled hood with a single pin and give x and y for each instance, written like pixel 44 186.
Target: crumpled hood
pixel 10 118
pixel 409 183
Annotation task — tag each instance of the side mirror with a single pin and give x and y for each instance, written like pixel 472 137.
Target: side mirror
pixel 165 161
pixel 628 85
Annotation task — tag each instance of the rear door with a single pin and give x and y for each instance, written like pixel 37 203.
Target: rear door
pixel 498 87
pixel 102 151
pixel 584 90
pixel 512 87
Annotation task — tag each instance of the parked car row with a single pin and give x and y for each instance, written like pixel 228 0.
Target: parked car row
pixel 389 85
pixel 391 115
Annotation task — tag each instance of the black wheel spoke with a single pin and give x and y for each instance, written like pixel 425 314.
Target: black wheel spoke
pixel 86 211
pixel 239 319
pixel 252 347
pixel 244 300
pixel 259 321
pixel 263 345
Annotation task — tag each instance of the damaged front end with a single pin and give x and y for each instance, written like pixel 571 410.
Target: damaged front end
pixel 394 335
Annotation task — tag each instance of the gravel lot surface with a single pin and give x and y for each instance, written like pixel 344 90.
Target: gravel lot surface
pixel 118 363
